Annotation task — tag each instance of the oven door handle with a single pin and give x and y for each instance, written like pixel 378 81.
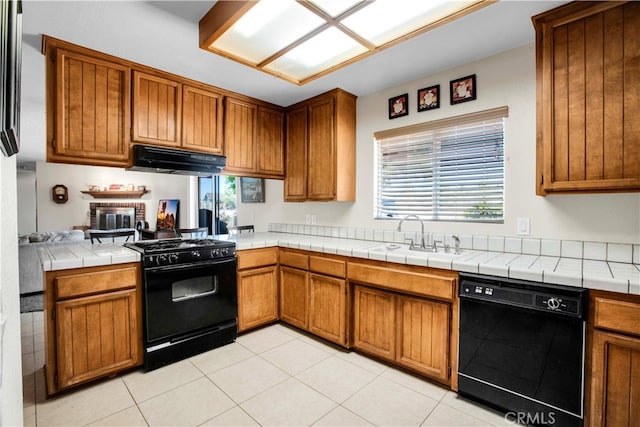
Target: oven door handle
pixel 188 297
pixel 209 263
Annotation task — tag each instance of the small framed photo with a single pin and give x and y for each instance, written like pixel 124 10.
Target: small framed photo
pixel 398 106
pixel 141 188
pixel 463 89
pixel 252 190
pixel 131 187
pixel 429 98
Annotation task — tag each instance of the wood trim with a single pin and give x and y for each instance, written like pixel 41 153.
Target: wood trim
pixel 220 18
pixel 493 113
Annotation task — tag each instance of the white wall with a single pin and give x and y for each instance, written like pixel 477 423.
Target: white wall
pixel 52 216
pixel 10 354
pixel 505 79
pixel 26 182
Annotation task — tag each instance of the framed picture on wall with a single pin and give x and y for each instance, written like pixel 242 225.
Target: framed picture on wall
pixel 252 190
pixel 429 98
pixel 167 214
pixel 463 89
pixel 398 106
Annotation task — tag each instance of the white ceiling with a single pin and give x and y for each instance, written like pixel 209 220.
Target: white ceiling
pixel 164 35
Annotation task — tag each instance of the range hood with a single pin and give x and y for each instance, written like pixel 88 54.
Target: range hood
pixel 178 162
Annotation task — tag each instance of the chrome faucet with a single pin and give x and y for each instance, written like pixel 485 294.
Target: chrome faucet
pixel 421 224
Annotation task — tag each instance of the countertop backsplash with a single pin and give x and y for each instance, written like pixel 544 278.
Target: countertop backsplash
pixel 596 251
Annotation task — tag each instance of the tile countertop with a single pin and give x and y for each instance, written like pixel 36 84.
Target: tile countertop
pixel 592 274
pixel 84 254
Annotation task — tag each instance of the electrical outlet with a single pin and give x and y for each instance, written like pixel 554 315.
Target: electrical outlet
pixel 524 227
pixel 307 219
pixel 313 219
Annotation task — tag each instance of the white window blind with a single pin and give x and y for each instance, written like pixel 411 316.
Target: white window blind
pixel 450 169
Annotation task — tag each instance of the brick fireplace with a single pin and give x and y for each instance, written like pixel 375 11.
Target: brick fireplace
pixel 107 216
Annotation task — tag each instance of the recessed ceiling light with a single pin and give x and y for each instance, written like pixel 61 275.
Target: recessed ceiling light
pixel 302 40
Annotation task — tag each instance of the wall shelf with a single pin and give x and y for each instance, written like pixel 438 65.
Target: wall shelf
pixel 118 194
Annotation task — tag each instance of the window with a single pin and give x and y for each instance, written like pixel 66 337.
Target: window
pixel 217 200
pixel 450 169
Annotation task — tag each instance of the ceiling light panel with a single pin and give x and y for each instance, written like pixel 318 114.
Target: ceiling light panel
pixel 334 8
pixel 268 27
pixel 323 51
pixel 385 20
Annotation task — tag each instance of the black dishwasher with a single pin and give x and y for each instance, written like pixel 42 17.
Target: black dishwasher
pixel 522 348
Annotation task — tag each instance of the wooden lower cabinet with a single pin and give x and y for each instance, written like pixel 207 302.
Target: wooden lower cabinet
pixel 93 324
pixel 294 291
pixel 257 287
pixel 314 295
pixel 615 379
pixel 407 315
pixel 327 307
pixel 423 335
pixel 95 336
pixel 374 329
pixel 613 363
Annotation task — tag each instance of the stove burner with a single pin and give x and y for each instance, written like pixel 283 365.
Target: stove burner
pixel 156 253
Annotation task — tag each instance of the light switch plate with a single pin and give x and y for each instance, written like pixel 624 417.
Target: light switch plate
pixel 524 227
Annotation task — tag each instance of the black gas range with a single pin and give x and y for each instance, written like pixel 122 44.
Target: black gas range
pixel 190 297
pixel 157 253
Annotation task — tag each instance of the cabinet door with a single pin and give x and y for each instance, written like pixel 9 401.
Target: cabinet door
pixel 240 136
pixel 270 142
pixel 92 110
pixel 201 120
pixel 423 336
pixel 374 322
pixel 96 336
pixel 156 109
pixel 328 308
pixel 295 180
pixel 294 291
pixel 588 97
pixel 615 380
pixel 321 163
pixel 257 297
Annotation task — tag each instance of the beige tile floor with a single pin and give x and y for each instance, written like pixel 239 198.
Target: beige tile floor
pixel 275 376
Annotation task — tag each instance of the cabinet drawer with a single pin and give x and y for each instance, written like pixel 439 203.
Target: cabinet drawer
pixel 75 285
pixel 617 315
pixel 409 281
pixel 330 267
pixel 257 257
pixel 294 259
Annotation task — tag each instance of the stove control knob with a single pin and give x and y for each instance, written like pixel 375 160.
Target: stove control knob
pixel 553 303
pixel 173 258
pixel 215 253
pixel 195 254
pixel 161 260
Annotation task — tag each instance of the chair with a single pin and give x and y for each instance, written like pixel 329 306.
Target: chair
pixel 192 232
pixel 112 234
pixel 239 229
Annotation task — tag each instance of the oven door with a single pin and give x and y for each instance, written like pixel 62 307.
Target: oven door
pixel 188 298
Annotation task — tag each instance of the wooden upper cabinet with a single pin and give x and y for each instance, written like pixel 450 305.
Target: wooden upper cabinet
pixel 327 144
pixel 295 182
pixel 588 97
pixel 88 105
pixel 157 106
pixel 202 120
pixel 253 139
pixel 270 141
